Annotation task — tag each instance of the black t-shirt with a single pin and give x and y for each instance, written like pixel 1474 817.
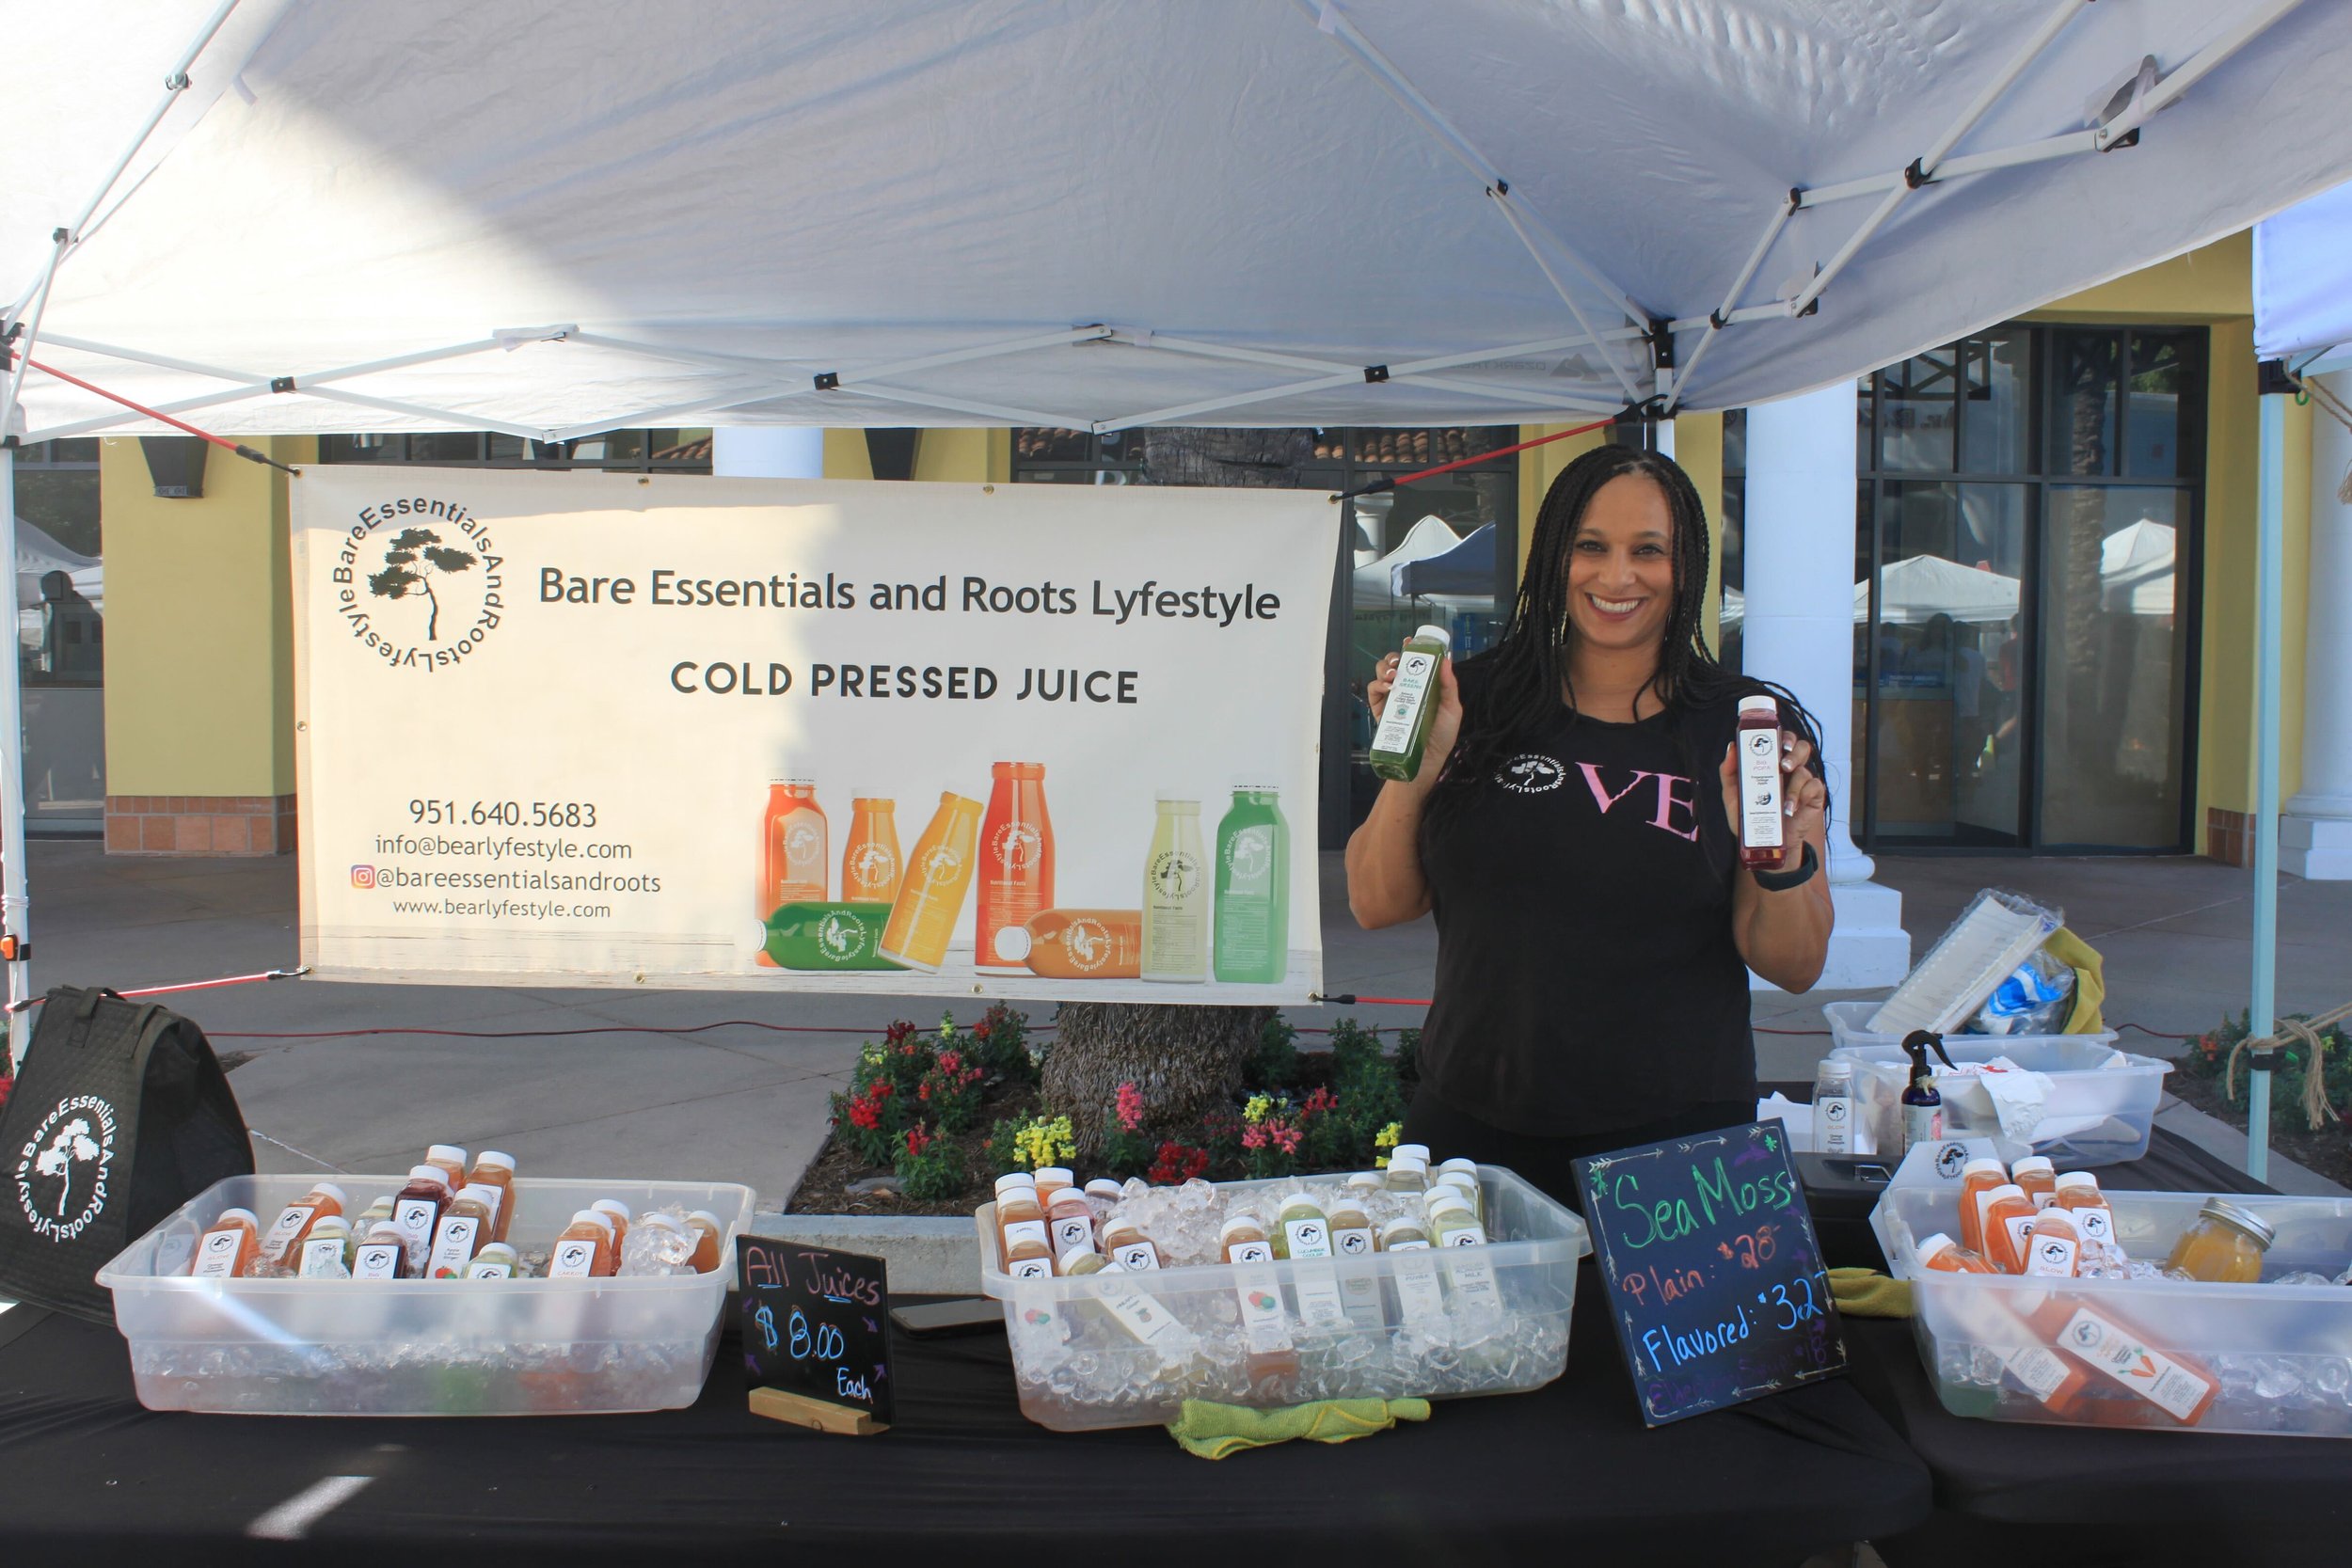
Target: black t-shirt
pixel 1586 973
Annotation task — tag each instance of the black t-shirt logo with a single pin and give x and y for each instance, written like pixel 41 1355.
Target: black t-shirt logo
pixel 1531 773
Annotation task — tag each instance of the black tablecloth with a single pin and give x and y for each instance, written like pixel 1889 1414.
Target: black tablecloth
pixel 87 1475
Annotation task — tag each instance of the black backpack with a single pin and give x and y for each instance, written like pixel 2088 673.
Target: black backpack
pixel 120 1114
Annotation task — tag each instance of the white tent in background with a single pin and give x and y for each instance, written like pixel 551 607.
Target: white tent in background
pixel 2135 569
pixel 2303 302
pixel 1919 588
pixel 1375 580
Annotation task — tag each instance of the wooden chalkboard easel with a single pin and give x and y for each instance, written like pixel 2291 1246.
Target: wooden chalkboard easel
pixel 801 1411
pixel 816 1327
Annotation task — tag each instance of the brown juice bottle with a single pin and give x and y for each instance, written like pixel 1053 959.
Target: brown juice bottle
pixel 449 1161
pixel 496 1171
pixel 463 1230
pixel 708 1237
pixel 229 1245
pixel 282 1245
pixel 1762 828
pixel 616 1211
pixel 583 1250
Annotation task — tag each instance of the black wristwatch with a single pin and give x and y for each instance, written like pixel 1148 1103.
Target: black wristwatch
pixel 1781 882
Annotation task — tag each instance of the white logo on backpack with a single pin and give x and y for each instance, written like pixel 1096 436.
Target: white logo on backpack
pixel 62 1169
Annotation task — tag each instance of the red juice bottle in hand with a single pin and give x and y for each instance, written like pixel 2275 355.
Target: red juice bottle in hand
pixel 1761 825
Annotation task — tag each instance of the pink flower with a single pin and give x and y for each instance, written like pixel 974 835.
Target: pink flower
pixel 1130 1108
pixel 1253 1137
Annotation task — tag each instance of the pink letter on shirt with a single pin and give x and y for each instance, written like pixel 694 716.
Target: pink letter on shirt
pixel 1601 797
pixel 1668 799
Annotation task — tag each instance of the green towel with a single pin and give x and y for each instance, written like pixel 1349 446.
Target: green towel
pixel 1212 1431
pixel 1867 1293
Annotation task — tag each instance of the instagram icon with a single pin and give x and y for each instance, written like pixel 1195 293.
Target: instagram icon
pixel 364 876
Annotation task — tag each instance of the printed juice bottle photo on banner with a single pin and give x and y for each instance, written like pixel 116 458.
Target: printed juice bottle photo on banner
pixel 814 934
pixel 1175 895
pixel 1253 888
pixel 931 893
pixel 1016 875
pixel 792 848
pixel 1080 944
pixel 870 862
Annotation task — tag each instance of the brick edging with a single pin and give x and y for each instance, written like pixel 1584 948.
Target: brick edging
pixel 199 824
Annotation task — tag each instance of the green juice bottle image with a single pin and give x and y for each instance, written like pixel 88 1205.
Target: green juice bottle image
pixel 1396 745
pixel 1253 888
pixel 1176 894
pixel 817 934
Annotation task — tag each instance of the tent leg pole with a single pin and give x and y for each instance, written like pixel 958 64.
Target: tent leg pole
pixel 2269 594
pixel 12 901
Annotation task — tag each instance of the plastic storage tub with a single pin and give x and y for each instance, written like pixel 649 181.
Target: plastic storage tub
pixel 2094 1115
pixel 420 1347
pixel 1114 1350
pixel 2278 1356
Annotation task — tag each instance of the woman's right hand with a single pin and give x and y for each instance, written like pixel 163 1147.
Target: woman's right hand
pixel 1445 726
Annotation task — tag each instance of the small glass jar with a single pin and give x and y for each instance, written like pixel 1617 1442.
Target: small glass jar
pixel 2224 1247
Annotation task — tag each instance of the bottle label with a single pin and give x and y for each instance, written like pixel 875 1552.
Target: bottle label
pixel 1027 1230
pixel 280 1239
pixel 1414 671
pixel 2042 1370
pixel 1030 1268
pixel 1145 1316
pixel 574 1260
pixel 1475 1288
pixel 1922 1124
pixel 2052 1255
pixel 377 1260
pixel 1308 1238
pixel 217 1257
pixel 1263 1319
pixel 1139 1257
pixel 2043 1200
pixel 1406 1245
pixel 1420 1299
pixel 2153 1375
pixel 1353 1242
pixel 1251 1252
pixel 490 1269
pixel 2020 1238
pixel 1834 1123
pixel 1360 1288
pixel 1466 1235
pixel 413 1218
pixel 2097 1224
pixel 496 1202
pixel 452 1246
pixel 323 1258
pixel 1077 1231
pixel 1759 788
pixel 1319 1303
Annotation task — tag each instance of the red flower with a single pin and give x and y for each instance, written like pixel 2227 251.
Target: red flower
pixel 981 1029
pixel 898 1031
pixel 1253 1137
pixel 1319 1102
pixel 918 1139
pixel 1177 1165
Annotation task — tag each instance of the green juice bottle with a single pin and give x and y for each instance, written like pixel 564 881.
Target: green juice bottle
pixel 814 934
pixel 1253 889
pixel 1396 745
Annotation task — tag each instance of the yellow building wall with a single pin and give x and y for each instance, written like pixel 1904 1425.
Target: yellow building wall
pixel 949 456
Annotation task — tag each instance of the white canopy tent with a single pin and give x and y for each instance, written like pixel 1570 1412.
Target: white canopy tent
pixel 551 219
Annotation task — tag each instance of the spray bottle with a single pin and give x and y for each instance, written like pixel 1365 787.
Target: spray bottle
pixel 1923 1107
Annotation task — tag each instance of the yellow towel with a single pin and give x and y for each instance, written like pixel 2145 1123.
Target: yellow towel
pixel 2091 983
pixel 1867 1293
pixel 1212 1431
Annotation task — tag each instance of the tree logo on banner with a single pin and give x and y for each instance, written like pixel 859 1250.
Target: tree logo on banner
pixel 840 938
pixel 941 866
pixel 1175 874
pixel 431 550
pixel 1016 846
pixel 1088 942
pixel 62 1168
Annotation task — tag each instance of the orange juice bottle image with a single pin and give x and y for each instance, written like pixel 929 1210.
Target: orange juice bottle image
pixel 1079 944
pixel 229 1246
pixel 869 861
pixel 792 848
pixel 2008 1218
pixel 1016 875
pixel 931 895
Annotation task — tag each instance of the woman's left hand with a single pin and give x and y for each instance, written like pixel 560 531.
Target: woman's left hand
pixel 1804 798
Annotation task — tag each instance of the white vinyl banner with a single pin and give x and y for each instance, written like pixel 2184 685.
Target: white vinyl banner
pixel 943 739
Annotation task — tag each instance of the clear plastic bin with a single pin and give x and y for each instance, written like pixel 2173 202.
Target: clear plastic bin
pixel 1114 1350
pixel 2278 1356
pixel 2094 1115
pixel 420 1347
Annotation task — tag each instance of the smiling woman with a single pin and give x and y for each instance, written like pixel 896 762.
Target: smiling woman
pixel 1573 828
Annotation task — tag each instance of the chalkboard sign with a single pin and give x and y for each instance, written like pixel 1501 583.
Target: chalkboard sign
pixel 816 1328
pixel 1715 1280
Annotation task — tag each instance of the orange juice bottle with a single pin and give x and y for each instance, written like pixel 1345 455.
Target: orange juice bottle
pixel 869 861
pixel 496 1171
pixel 1021 1234
pixel 1944 1255
pixel 1070 1223
pixel 1079 944
pixel 1016 875
pixel 792 850
pixel 585 1248
pixel 2178 1390
pixel 709 1236
pixel 2053 1246
pixel 1243 1240
pixel 229 1245
pixel 1976 1179
pixel 296 1220
pixel 2035 1173
pixel 449 1161
pixel 1050 1180
pixel 2007 1218
pixel 463 1230
pixel 930 895
pixel 618 1213
pixel 2078 1193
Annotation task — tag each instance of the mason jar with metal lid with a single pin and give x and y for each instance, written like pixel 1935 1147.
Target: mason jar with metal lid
pixel 2224 1247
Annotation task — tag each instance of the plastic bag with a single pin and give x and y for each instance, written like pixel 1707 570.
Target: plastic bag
pixel 2034 1000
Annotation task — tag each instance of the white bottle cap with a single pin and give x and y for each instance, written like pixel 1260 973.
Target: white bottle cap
pixel 1408 1161
pixel 604 1220
pixel 486 1196
pixel 613 1207
pixel 1411 1151
pixel 246 1214
pixel 1296 1199
pixel 451 1152
pixel 330 1225
pixel 1365 1181
pixel 1398 1227
pixel 2078 1178
pixel 492 1157
pixel 331 1191
pixel 1982 1167
pixel 1760 703
pixel 1447 1195
pixel 504 1254
pixel 2007 1190
pixel 1239 1222
pixel 1016 1179
pixel 434 1173
pixel 1056 1173
pixel 662 1222
pixel 792 783
pixel 1013 943
pixel 1103 1186
pixel 1931 1246
pixel 2032 1164
pixel 708 1218
pixel 1436 634
pixel 1466 1167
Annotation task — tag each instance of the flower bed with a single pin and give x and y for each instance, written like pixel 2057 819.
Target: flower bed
pixel 2202 1080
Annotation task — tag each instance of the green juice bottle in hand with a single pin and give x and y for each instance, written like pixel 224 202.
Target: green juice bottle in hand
pixel 1253 882
pixel 1404 731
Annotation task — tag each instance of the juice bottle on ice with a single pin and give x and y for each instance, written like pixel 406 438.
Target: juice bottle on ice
pixel 1408 1175
pixel 1175 895
pixel 1253 886
pixel 792 848
pixel 709 1236
pixel 1129 1247
pixel 1301 1229
pixel 1028 1257
pixel 2053 1246
pixel 2007 1218
pixel 2078 1192
pixel 282 1245
pixel 449 1161
pixel 383 1255
pixel 2224 1246
pixel 1351 1229
pixel 1079 944
pixel 1978 1178
pixel 1467 1185
pixel 1944 1255
pixel 2176 1388
pixel 869 861
pixel 2038 1177
pixel 325 1252
pixel 229 1245
pixel 496 1171
pixel 583 1247
pixel 1016 875
pixel 1403 733
pixel 462 1232
pixel 618 1213
pixel 1069 1223
pixel 931 895
pixel 417 1208
pixel 1021 1232
pixel 1243 1240
pixel 496 1260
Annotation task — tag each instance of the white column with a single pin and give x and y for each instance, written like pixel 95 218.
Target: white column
pixel 2316 829
pixel 1798 632
pixel 768 452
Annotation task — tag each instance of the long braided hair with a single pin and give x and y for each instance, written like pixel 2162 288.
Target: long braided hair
pixel 1516 685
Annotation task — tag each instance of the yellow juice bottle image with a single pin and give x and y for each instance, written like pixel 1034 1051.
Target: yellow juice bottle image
pixel 1176 894
pixel 931 892
pixel 869 861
